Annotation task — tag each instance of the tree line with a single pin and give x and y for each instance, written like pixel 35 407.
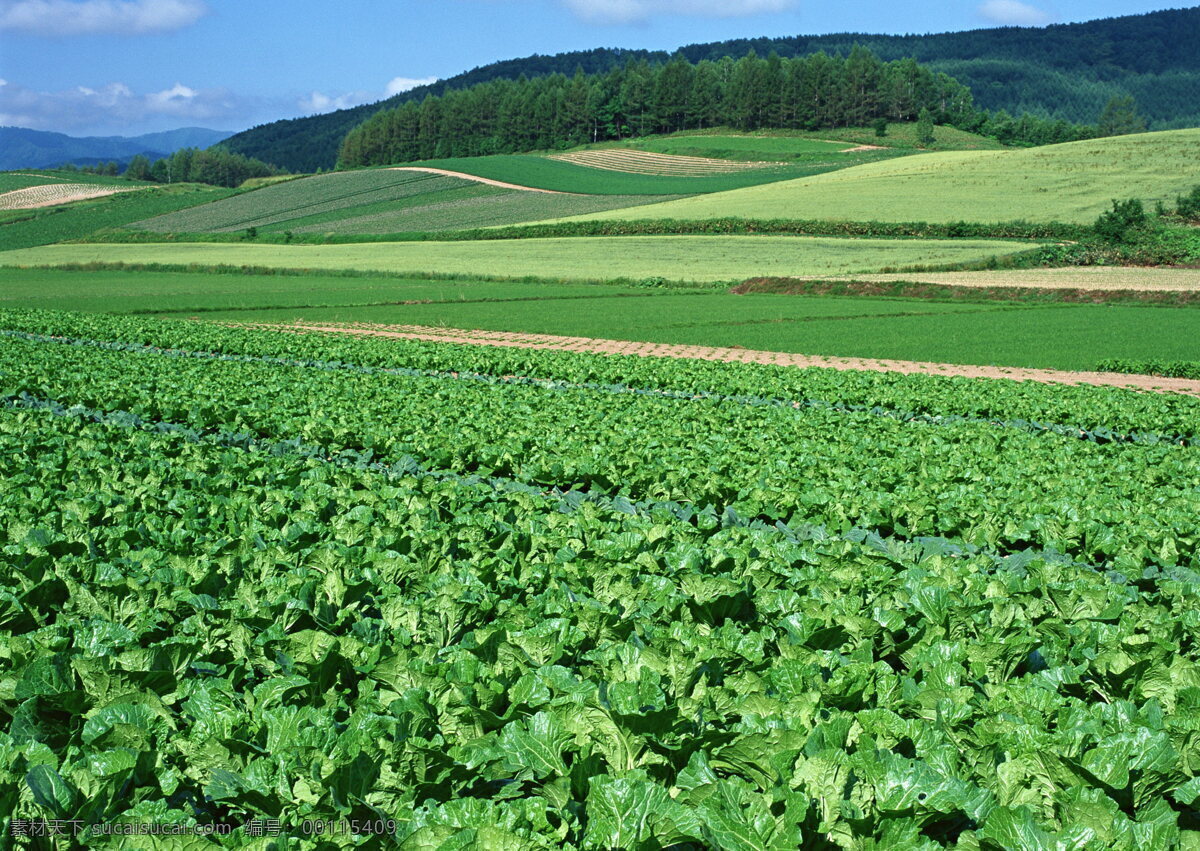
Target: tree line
pixel 215 166
pixel 816 92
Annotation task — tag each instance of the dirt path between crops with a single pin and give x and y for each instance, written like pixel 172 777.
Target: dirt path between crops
pixel 477 179
pixel 670 350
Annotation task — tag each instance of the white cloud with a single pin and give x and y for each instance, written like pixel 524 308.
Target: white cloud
pixel 403 84
pixel 632 11
pixel 86 17
pixel 116 109
pixel 318 102
pixel 1014 13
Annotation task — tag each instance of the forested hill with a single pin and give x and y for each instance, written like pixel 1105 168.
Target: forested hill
pixel 1066 71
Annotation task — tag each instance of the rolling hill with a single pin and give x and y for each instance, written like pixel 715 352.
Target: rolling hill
pixel 1073 182
pixel 1062 71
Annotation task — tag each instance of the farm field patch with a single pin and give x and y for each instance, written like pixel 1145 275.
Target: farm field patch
pixel 52 194
pixel 445 576
pixel 1078 277
pixel 644 162
pixel 607 258
pixel 378 201
pixel 740 147
pixel 1072 182
pixel 554 174
pixel 181 292
pixel 1070 337
pixel 10 180
pixel 27 228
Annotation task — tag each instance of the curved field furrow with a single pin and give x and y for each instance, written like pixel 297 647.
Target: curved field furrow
pixel 53 194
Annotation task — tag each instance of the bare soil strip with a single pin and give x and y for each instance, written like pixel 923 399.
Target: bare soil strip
pixel 488 181
pixel 621 347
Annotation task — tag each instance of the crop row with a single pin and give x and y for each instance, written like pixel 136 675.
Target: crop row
pixel 48 194
pixel 1127 505
pixel 200 633
pixel 1098 436
pixel 1088 409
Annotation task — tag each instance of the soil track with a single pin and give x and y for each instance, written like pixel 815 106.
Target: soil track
pixel 509 339
pixel 464 176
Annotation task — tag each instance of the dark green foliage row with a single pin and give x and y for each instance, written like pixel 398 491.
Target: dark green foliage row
pixel 640 99
pixel 1067 72
pixel 656 227
pixel 1165 368
pixel 220 602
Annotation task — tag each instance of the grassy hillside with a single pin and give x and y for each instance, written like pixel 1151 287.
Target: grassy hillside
pixel 691 258
pixel 379 201
pixel 1074 182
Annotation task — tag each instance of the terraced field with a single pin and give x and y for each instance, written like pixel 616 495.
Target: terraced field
pixel 646 162
pixel 1073 182
pixel 682 258
pixel 378 201
pixel 544 172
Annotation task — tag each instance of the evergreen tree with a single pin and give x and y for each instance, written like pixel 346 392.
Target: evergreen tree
pixel 1120 117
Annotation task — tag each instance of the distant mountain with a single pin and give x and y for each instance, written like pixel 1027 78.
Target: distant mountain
pixel 1066 71
pixel 23 148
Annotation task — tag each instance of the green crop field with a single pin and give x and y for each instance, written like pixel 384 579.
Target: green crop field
pixel 1006 333
pixel 689 258
pixel 517 599
pixel 183 292
pixel 739 147
pixel 559 176
pixel 1052 337
pixel 1073 182
pixel 378 201
pixel 27 228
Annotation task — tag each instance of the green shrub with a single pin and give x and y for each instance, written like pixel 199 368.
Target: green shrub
pixel 1188 206
pixel 1119 223
pixel 1164 368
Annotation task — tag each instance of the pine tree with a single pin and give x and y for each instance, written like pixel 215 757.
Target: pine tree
pixel 1120 117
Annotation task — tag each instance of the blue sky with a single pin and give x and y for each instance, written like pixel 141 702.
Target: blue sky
pixel 125 67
